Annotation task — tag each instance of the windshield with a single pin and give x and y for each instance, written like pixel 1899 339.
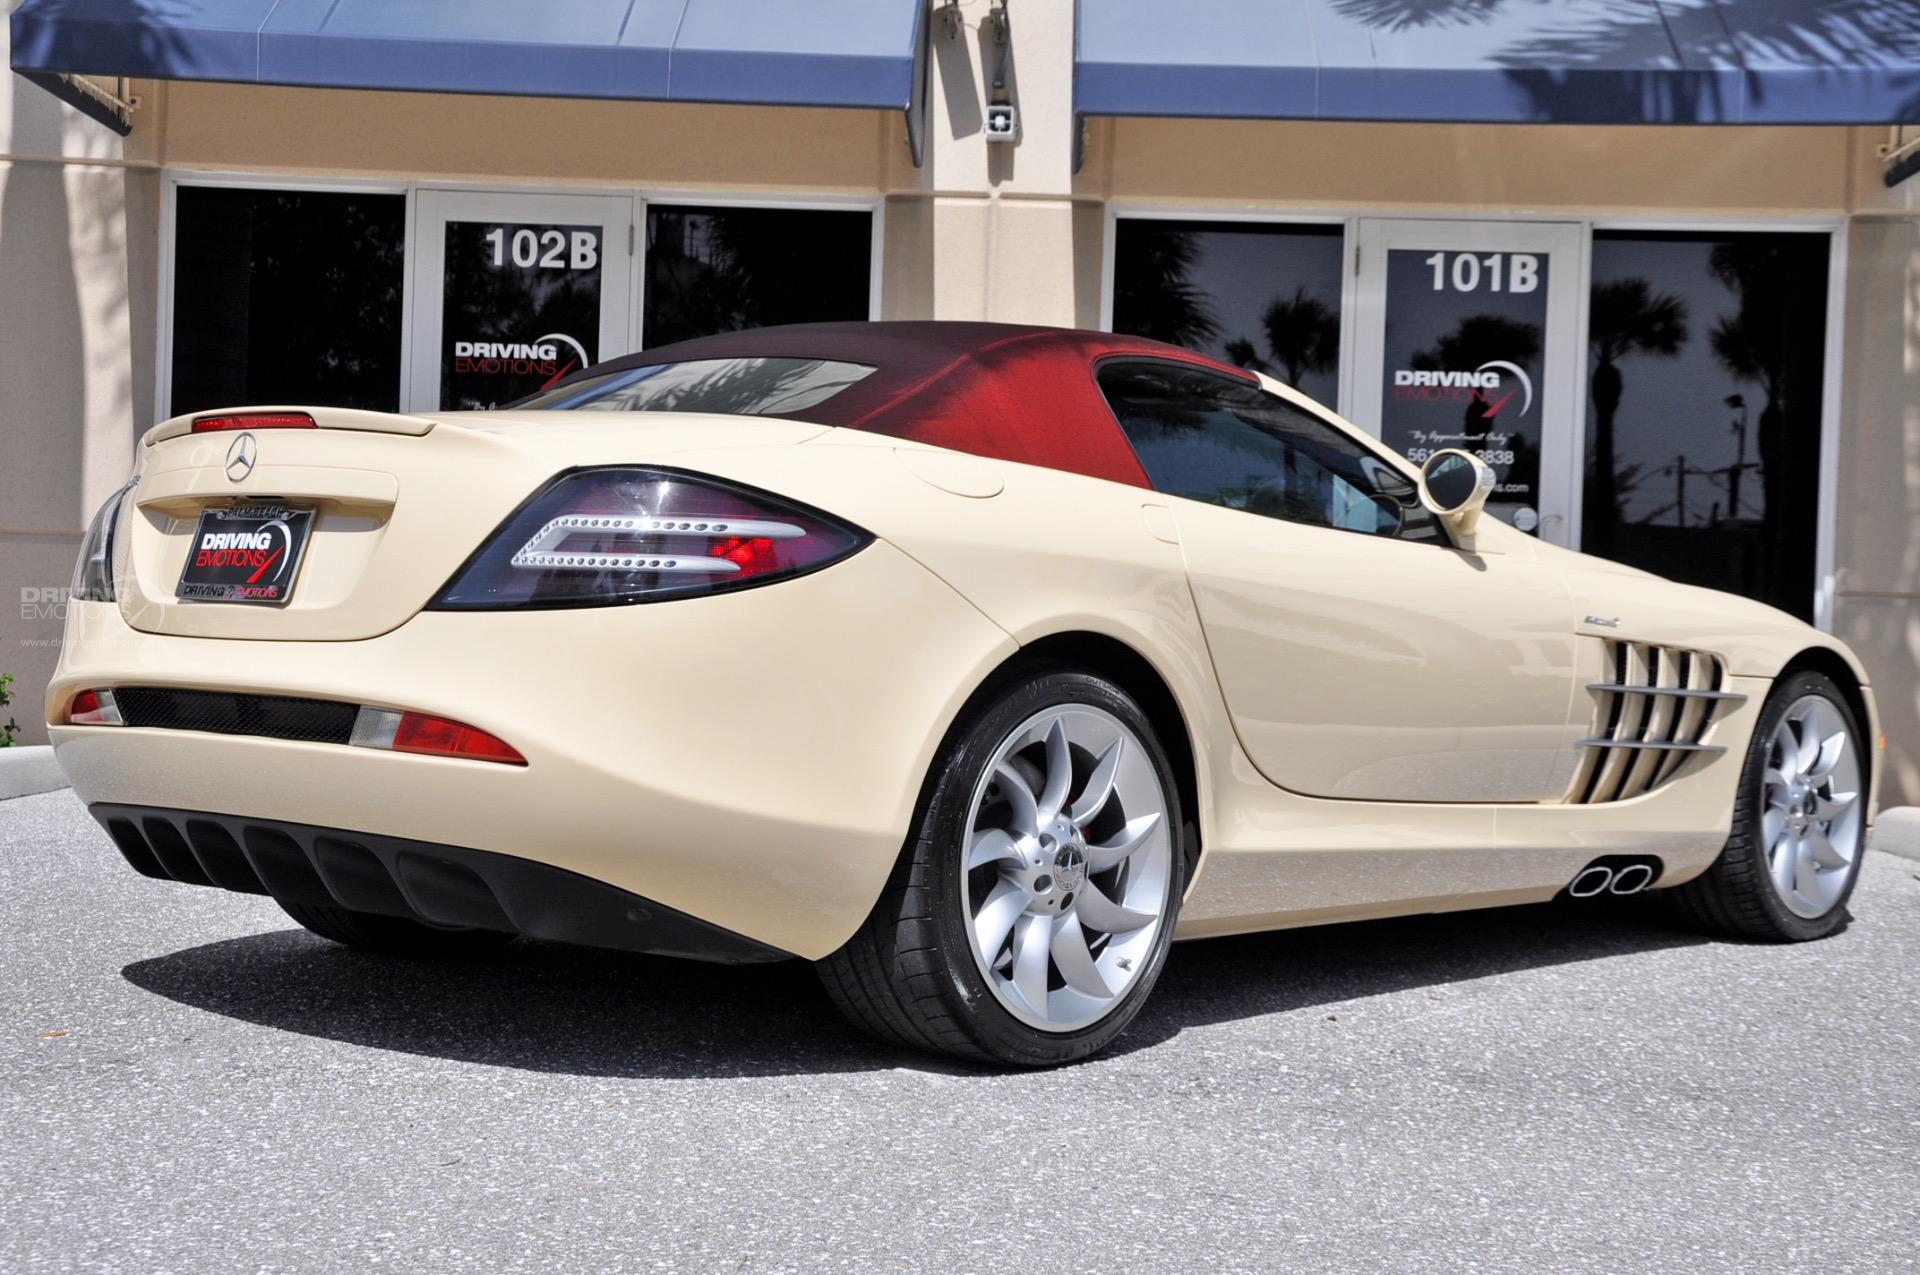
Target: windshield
pixel 733 387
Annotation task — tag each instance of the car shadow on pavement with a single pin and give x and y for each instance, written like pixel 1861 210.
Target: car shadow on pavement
pixel 552 1008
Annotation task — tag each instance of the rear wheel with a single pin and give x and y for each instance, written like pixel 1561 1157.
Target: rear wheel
pixel 1798 822
pixel 393 935
pixel 1033 906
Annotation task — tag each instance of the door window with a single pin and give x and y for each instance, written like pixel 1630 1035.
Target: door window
pixel 1705 377
pixel 1263 296
pixel 1211 438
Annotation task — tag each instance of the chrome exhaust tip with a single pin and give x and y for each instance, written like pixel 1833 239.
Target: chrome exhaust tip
pixel 1631 879
pixel 1591 881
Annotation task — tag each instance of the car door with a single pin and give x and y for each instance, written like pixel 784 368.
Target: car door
pixel 1361 654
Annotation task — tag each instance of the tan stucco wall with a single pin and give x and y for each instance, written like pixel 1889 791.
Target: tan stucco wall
pixel 78 234
pixel 1877 550
pixel 1456 168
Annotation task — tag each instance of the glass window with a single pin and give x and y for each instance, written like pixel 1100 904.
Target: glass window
pixel 1705 358
pixel 287 296
pixel 1265 297
pixel 723 269
pixel 1210 438
pixel 519 309
pixel 741 387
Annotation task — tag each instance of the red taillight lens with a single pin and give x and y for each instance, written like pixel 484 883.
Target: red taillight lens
pixel 254 420
pixel 93 708
pixel 604 536
pixel 418 733
pixel 408 732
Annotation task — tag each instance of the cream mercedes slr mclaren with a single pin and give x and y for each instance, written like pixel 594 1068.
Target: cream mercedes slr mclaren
pixel 974 663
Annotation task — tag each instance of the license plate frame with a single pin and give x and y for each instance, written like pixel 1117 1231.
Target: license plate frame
pixel 257 566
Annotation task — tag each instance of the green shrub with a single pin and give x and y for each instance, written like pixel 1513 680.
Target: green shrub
pixel 12 728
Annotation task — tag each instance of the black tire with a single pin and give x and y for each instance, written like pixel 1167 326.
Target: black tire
pixel 394 935
pixel 908 976
pixel 1735 896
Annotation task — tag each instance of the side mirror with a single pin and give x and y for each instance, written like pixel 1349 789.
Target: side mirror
pixel 1455 485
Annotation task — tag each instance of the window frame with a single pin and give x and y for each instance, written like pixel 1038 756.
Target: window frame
pixel 172 179
pixel 1306 407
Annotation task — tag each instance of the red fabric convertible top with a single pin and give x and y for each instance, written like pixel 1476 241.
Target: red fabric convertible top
pixel 1024 394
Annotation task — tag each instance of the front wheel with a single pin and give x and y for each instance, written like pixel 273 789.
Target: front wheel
pixel 1799 822
pixel 1034 903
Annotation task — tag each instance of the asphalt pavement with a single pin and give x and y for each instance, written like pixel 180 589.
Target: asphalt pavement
pixel 193 1084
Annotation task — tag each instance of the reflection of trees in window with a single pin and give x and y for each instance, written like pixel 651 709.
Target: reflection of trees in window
pixel 1153 290
pixel 1303 338
pixel 724 269
pixel 1627 317
pixel 1752 345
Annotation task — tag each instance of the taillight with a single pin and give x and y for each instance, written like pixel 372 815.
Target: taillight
pixel 407 732
pixel 604 536
pixel 93 573
pixel 93 708
pixel 254 420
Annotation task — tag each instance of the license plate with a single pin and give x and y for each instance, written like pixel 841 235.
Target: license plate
pixel 245 553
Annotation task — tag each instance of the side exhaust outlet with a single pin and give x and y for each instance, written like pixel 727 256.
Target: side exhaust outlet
pixel 1590 882
pixel 1614 874
pixel 1631 879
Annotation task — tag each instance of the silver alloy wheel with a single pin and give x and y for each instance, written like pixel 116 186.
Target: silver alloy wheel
pixel 1069 858
pixel 1810 816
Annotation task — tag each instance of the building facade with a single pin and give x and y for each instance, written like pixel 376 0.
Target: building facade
pixel 1692 347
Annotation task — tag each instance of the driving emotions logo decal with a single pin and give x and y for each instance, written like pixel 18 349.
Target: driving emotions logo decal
pixel 551 357
pixel 1485 385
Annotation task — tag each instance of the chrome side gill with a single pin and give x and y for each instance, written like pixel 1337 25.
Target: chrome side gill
pixel 1651 719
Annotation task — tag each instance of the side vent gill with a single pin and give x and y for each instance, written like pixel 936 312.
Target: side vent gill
pixel 1650 719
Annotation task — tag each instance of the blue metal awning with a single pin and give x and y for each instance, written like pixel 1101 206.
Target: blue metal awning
pixel 1503 61
pixel 854 53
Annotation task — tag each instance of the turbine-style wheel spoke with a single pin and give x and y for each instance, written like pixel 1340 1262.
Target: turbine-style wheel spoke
pixel 1037 918
pixel 1104 858
pixel 1026 807
pixel 1822 850
pixel 1806 874
pixel 1032 945
pixel 1075 962
pixel 1773 823
pixel 1059 779
pixel 995 919
pixel 1827 758
pixel 1833 805
pixel 1807 748
pixel 1103 914
pixel 1785 857
pixel 1099 789
pixel 993 846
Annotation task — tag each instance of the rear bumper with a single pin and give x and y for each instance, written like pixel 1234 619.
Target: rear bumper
pixel 750 760
pixel 391 876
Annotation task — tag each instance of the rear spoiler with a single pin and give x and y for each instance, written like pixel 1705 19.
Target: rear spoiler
pixel 324 417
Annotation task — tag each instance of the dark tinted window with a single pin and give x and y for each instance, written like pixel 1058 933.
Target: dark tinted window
pixel 287 296
pixel 723 269
pixel 739 387
pixel 1211 438
pixel 1262 296
pixel 1705 361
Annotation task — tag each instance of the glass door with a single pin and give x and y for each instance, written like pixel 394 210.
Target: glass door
pixel 1466 335
pixel 514 291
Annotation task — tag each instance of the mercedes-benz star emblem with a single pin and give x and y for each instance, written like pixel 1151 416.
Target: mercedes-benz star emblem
pixel 240 457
